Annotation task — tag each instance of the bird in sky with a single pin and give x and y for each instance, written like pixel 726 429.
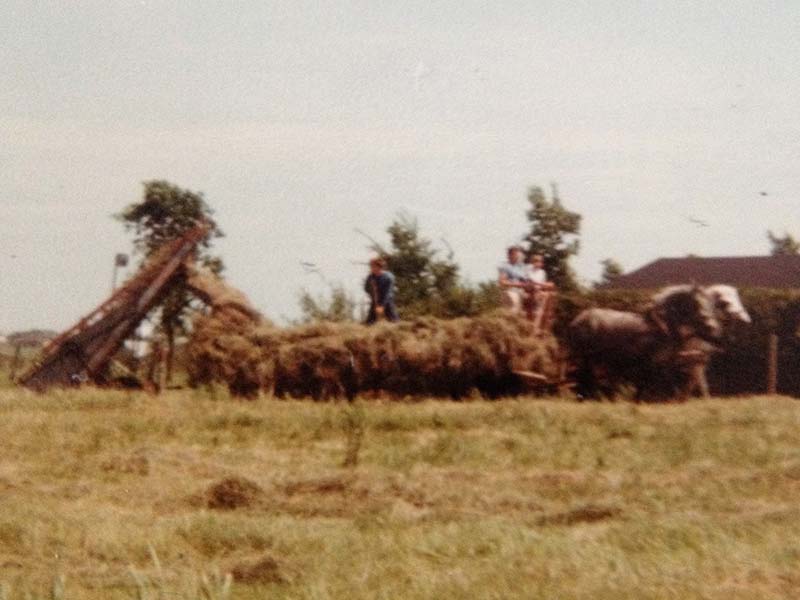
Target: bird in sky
pixel 420 73
pixel 698 222
pixel 310 268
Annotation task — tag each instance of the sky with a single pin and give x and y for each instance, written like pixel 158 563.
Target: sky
pixel 303 123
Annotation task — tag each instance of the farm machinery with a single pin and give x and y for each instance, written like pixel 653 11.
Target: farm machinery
pixel 84 352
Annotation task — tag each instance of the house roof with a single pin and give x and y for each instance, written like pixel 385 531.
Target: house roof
pixel 777 272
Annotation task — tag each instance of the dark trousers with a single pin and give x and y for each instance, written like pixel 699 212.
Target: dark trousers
pixel 389 312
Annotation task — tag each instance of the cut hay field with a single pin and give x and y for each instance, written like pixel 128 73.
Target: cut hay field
pixel 110 495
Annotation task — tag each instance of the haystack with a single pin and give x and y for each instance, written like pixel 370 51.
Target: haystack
pixel 425 356
pixel 222 347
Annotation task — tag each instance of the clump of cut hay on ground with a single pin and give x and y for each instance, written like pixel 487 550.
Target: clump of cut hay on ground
pixel 584 514
pixel 232 493
pixel 424 356
pixel 329 485
pixel 264 570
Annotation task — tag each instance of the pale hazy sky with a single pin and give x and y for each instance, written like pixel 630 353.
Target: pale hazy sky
pixel 303 121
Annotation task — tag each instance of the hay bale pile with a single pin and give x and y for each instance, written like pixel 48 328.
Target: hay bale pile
pixel 425 356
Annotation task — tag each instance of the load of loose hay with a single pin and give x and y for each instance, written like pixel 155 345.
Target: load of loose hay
pixel 213 290
pixel 424 356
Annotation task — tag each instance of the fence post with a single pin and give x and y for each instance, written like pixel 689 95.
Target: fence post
pixel 15 362
pixel 772 364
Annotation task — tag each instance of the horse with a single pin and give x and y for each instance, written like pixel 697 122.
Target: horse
pixel 694 354
pixel 609 347
pixel 727 303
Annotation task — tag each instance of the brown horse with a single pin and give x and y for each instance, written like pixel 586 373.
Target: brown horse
pixel 609 348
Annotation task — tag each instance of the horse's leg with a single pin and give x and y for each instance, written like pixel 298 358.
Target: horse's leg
pixel 702 380
pixel 584 379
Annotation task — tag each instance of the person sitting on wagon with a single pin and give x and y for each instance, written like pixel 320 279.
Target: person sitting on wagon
pixel 536 275
pixel 513 281
pixel 380 287
pixel 536 283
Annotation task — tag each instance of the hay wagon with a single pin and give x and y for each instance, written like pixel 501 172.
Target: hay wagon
pixel 495 354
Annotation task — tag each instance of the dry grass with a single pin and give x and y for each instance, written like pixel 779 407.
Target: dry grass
pixel 116 495
pixel 425 356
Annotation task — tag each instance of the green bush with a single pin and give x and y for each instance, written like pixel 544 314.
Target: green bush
pixel 742 368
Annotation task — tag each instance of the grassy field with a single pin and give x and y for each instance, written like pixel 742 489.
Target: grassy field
pixel 114 495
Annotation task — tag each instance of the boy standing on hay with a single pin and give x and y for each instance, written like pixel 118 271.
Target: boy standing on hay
pixel 380 287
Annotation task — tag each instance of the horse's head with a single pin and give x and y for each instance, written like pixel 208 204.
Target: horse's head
pixel 683 311
pixel 727 303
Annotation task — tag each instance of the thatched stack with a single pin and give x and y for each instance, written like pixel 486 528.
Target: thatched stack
pixel 426 356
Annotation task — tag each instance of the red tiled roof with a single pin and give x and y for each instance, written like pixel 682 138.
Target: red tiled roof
pixel 778 272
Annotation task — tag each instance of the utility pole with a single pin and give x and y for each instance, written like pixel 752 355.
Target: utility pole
pixel 120 260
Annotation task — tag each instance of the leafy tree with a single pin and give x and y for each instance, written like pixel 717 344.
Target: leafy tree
pixel 554 235
pixel 611 270
pixel 339 306
pixel 466 300
pixel 165 213
pixel 782 246
pixel 427 282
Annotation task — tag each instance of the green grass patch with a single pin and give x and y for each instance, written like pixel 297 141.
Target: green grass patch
pixel 124 495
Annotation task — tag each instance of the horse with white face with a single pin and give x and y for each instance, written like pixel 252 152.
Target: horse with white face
pixel 727 303
pixel 694 355
pixel 728 306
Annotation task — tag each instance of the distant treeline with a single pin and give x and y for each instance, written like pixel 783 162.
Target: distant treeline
pixel 31 337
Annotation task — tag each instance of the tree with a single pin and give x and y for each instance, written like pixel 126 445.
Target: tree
pixel 554 235
pixel 428 283
pixel 165 213
pixel 611 270
pixel 339 307
pixel 782 246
